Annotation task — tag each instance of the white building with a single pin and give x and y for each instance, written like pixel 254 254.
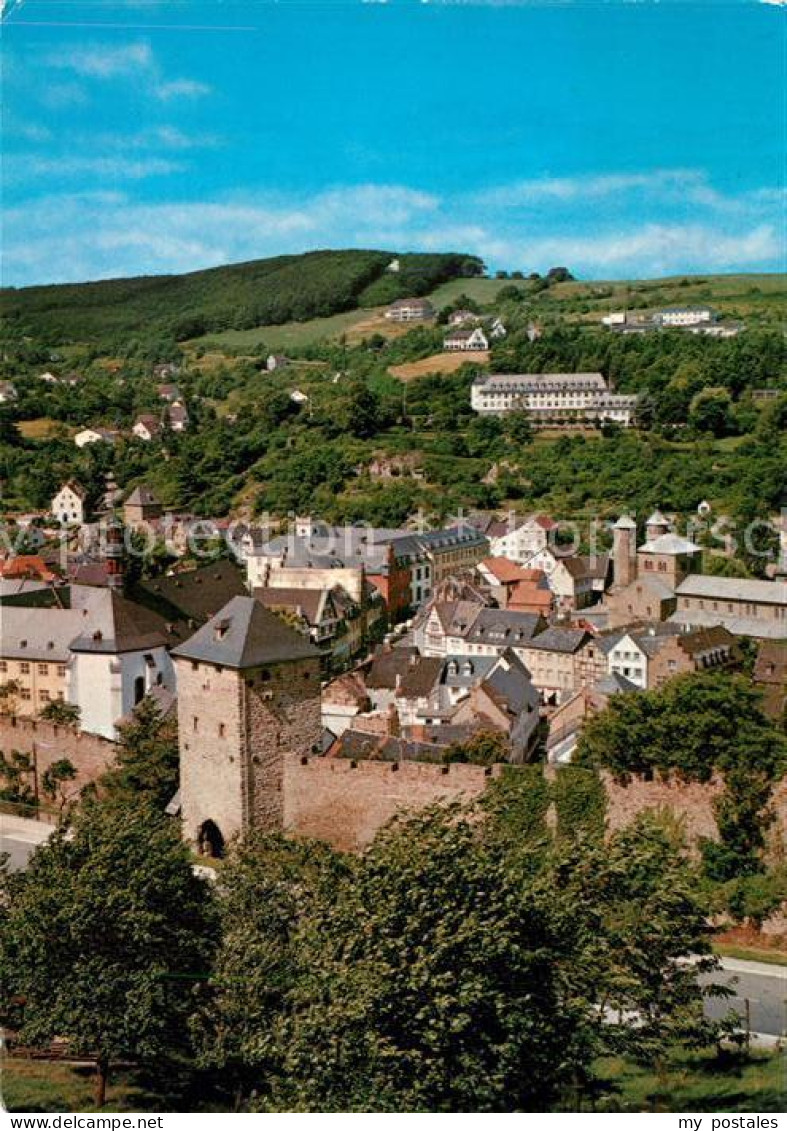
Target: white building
pixel 519 539
pixel 466 340
pixel 147 427
pixel 410 310
pixel 68 505
pixel 8 392
pixel 103 654
pixel 551 399
pixel 119 656
pixel 95 436
pixel 684 315
pixel 615 318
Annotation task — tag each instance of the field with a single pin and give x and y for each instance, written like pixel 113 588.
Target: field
pixel 692 1082
pixel 438 363
pixel 40 428
pixel 290 335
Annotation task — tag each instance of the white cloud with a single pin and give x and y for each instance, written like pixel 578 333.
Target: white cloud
pixel 74 236
pixel 582 187
pixel 99 61
pixel 180 88
pixel 26 167
pixel 129 61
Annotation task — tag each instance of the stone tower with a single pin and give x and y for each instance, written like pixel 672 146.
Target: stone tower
pixel 248 695
pixel 624 551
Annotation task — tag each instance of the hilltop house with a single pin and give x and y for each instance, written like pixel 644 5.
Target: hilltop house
pixel 462 318
pixel 410 310
pixel 170 393
pixel 176 416
pixel 95 436
pixel 141 506
pixel 147 427
pixel 684 316
pixel 468 340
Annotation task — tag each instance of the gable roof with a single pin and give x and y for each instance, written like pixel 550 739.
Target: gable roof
pixel 311 604
pixel 733 588
pixel 244 634
pixel 556 639
pixel 142 497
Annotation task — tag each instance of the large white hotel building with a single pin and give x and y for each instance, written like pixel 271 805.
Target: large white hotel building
pixel 553 399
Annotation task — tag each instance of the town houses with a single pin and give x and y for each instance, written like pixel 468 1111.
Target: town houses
pixel 423 639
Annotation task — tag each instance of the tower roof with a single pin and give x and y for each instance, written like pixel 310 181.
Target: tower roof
pixel 142 497
pixel 625 522
pixel 244 634
pixel 657 519
pixel 672 544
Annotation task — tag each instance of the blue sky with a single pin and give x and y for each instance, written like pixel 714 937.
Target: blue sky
pixel 620 139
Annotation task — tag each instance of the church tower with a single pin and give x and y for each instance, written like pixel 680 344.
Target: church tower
pixel 624 551
pixel 248 695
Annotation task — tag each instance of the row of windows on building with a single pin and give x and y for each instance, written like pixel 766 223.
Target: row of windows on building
pixel 744 608
pixel 26 666
pixel 44 696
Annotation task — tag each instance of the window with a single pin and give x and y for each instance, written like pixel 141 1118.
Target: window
pixel 43 669
pixel 61 670
pixel 24 668
pixel 222 730
pixel 195 724
pixel 43 696
pixel 3 666
pixel 194 666
pixel 25 694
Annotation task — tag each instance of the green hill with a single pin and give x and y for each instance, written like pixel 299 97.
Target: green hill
pixel 262 292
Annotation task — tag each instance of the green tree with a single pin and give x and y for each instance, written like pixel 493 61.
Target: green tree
pixel 269 887
pixel 106 936
pixel 54 780
pixel 64 714
pixel 434 979
pixel 146 764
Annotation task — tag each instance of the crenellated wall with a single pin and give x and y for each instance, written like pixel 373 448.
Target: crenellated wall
pixel 90 754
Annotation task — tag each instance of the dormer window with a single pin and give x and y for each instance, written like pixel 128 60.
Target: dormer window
pixel 221 629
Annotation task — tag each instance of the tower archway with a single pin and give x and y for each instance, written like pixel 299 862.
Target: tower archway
pixel 210 841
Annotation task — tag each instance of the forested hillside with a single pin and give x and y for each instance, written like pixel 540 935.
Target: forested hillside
pixel 264 291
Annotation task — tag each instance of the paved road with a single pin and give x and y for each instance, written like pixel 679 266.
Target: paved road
pixel 763 985
pixel 19 836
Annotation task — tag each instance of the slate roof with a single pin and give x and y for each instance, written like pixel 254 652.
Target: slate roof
pixel 510 685
pixel 116 625
pixel 419 678
pixel 670 544
pixel 308 602
pixel 733 589
pixel 556 639
pixel 186 600
pixel 503 626
pixel 142 497
pixel 387 665
pixel 244 634
pixel 612 683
